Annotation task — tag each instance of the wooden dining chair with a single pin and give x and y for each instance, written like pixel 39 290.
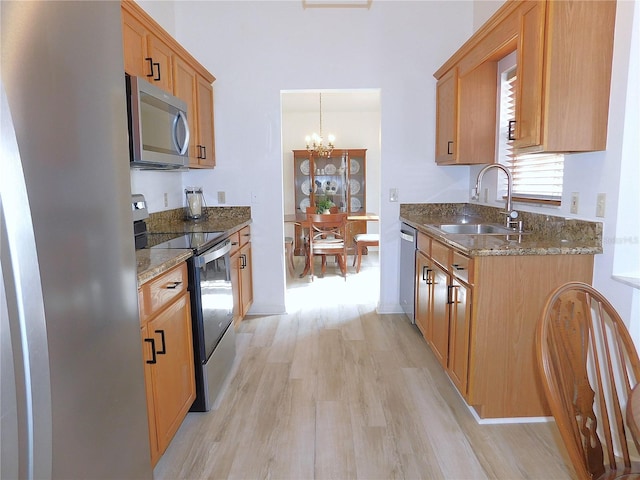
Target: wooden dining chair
pixel 327 237
pixel 589 366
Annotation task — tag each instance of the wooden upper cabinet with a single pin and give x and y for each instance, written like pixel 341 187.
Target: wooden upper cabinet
pixel 529 85
pixel 564 55
pixel 135 46
pixel 145 55
pixel 197 92
pixel 446 117
pixel 150 52
pixel 466 116
pixel 204 113
pixel 161 58
pixel 575 76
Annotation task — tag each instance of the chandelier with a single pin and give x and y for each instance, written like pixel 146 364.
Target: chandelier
pixel 315 142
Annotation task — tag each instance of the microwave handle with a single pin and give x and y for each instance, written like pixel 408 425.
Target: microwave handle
pixel 183 118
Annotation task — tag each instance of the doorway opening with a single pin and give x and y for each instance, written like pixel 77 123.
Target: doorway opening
pixel 353 117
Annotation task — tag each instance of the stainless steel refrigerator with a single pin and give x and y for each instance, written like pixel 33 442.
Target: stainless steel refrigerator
pixel 73 398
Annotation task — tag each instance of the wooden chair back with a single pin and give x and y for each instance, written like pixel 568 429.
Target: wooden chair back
pixel 313 210
pixel 589 366
pixel 327 236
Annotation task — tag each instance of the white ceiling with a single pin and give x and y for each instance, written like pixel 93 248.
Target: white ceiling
pixel 363 100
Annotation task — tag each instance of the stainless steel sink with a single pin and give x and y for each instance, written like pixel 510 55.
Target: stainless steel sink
pixel 475 229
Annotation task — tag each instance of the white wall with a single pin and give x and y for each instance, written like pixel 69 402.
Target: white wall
pixel 257 49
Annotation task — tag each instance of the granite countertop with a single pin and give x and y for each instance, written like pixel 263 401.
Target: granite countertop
pixel 153 262
pixel 544 234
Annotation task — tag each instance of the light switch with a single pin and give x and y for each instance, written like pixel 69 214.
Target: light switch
pixel 222 198
pixel 600 204
pixel 573 208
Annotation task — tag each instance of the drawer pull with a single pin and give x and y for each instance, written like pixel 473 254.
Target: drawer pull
pixel 173 285
pixel 163 350
pixel 457 267
pixel 153 350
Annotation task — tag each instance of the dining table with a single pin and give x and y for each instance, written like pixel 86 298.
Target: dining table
pixel 302 220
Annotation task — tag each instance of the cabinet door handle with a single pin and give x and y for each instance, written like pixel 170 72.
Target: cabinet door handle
pixel 450 289
pixel 449 145
pixel 243 261
pixel 204 149
pixel 511 131
pixel 173 285
pixel 455 266
pixel 163 350
pixel 151 64
pixel 425 275
pixel 157 79
pixel 153 350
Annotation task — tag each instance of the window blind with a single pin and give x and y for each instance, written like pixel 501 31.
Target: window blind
pixel 536 177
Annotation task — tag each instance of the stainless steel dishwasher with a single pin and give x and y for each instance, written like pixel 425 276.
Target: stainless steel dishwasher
pixel 408 247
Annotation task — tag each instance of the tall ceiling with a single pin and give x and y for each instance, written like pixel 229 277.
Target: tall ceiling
pixel 300 101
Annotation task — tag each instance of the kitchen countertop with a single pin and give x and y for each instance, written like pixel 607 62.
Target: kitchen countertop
pixel 152 262
pixel 155 261
pixel 544 234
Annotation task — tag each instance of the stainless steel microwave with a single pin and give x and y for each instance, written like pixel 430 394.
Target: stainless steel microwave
pixel 158 127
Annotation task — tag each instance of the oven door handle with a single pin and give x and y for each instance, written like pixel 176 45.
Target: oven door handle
pixel 219 250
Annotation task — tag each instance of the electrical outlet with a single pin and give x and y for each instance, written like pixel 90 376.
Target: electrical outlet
pixel 485 195
pixel 393 194
pixel 575 196
pixel 166 199
pixel 600 204
pixel 222 198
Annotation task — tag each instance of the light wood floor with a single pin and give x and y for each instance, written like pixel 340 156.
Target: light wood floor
pixel 334 390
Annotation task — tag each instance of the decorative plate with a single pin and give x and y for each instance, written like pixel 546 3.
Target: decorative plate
pixel 354 186
pixel 305 187
pixel 330 187
pixel 304 204
pixel 330 169
pixel 355 204
pixel 355 167
pixel 304 167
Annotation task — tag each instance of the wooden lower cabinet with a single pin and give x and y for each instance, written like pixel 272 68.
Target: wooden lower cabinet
pixel 479 317
pixel 241 274
pixel 424 293
pixel 168 355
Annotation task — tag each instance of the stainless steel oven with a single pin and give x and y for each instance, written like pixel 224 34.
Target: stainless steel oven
pixel 214 344
pixel 212 311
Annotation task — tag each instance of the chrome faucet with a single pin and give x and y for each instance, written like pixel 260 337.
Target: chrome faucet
pixel 510 213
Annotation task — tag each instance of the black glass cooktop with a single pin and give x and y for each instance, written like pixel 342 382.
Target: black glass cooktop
pixel 196 241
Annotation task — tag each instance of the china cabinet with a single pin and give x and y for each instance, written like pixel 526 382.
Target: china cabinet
pixel 340 178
